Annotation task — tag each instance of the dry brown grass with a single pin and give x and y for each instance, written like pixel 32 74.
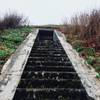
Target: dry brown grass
pixel 85 27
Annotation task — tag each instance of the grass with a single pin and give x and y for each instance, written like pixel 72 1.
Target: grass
pixel 10 39
pixel 91 56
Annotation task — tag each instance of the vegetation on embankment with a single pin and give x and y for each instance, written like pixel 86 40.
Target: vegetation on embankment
pixel 10 39
pixel 83 33
pixel 13 30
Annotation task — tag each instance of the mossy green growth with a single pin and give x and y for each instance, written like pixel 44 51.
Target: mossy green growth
pixel 79 49
pixel 90 60
pixel 98 75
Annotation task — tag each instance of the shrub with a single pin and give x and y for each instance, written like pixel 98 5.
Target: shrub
pixel 86 26
pixel 12 20
pixel 1 25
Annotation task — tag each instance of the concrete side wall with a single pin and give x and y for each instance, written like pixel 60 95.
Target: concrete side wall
pixel 86 74
pixel 12 70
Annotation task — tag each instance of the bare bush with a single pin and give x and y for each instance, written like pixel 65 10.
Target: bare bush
pixel 86 27
pixel 83 22
pixel 12 20
pixel 94 23
pixel 75 24
pixel 1 25
pixel 65 27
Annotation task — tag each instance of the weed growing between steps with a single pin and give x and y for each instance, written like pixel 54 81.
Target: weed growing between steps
pixel 10 39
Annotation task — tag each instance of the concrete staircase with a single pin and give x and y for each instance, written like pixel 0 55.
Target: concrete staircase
pixel 49 73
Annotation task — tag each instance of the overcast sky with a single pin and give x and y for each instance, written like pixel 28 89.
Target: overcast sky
pixel 48 11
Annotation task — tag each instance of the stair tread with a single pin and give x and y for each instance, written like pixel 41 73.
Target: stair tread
pixel 49 74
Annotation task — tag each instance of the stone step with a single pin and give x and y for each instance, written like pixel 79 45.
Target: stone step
pixel 50 63
pixel 50 68
pixel 48 59
pixel 50 83
pixel 49 75
pixel 51 94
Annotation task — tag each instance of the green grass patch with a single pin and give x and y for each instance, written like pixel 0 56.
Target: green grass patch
pixel 79 49
pixel 98 75
pixel 90 60
pixel 77 45
pixel 90 51
pixel 10 39
pixel 3 54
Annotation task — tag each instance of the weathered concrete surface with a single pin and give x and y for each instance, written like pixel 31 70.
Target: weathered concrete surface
pixel 12 70
pixel 86 74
